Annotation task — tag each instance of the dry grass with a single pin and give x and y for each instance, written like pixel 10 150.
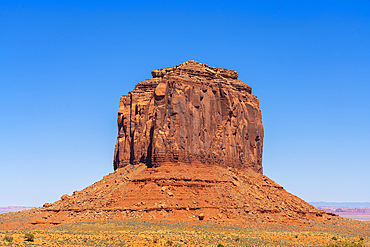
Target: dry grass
pixel 160 233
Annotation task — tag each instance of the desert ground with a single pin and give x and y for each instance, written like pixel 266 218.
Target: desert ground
pixel 176 233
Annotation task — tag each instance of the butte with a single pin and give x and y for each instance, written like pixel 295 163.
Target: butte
pixel 189 148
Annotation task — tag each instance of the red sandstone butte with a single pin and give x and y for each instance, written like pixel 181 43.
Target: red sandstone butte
pixel 191 112
pixel 194 137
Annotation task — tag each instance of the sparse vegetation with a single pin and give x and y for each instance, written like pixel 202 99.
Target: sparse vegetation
pixel 166 233
pixel 29 237
pixel 345 244
pixel 8 238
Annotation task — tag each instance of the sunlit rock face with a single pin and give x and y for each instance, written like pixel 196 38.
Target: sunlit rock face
pixel 191 112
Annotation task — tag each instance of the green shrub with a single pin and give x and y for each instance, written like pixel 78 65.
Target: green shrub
pixel 29 237
pixel 220 245
pixel 8 238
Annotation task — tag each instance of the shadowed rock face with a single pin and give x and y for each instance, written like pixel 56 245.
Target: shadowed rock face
pixel 191 112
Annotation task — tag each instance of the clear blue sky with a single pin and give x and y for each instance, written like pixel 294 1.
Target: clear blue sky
pixel 65 64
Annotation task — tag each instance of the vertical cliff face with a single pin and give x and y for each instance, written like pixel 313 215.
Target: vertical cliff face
pixel 191 112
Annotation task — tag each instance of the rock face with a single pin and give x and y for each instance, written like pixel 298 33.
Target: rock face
pixel 191 112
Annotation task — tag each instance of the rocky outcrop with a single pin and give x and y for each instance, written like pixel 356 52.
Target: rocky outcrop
pixel 191 112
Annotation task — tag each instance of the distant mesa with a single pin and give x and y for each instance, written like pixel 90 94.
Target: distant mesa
pixel 12 209
pixel 357 213
pixel 189 148
pixel 340 204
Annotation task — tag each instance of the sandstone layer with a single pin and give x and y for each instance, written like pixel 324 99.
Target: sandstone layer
pixel 191 112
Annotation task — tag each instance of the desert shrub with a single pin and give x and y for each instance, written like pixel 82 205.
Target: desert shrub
pixel 345 244
pixel 8 238
pixel 29 237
